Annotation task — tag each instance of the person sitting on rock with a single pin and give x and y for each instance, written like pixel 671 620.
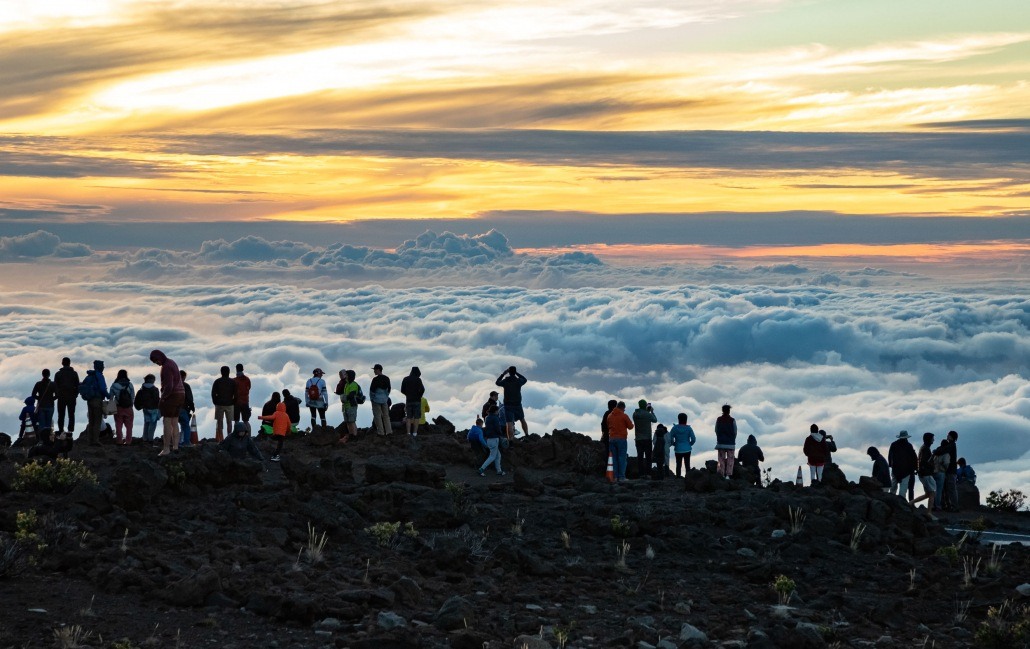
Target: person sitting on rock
pixel 476 440
pixel 965 472
pixel 881 471
pixel 269 409
pixel 749 456
pixel 492 433
pixel 817 451
pixel 240 444
pixel 46 450
pixel 280 427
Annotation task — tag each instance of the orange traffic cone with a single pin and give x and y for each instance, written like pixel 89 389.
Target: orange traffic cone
pixel 610 472
pixel 799 481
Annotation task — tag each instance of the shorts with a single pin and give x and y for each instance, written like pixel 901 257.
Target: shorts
pixel 929 484
pixel 513 412
pixel 350 415
pixel 413 410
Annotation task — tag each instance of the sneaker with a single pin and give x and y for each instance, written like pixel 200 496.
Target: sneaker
pixel 501 473
pixel 275 458
pixel 481 474
pixel 162 453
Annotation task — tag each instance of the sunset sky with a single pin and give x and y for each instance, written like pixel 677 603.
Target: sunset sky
pixel 296 110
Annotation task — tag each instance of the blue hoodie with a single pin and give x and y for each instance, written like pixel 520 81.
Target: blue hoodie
pixel 97 375
pixel 682 437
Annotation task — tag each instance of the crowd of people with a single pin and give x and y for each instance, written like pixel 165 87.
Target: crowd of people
pixel 173 404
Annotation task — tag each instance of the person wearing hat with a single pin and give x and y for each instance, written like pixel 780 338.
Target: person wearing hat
pixel 492 401
pixel 379 395
pixel 316 396
pixel 901 458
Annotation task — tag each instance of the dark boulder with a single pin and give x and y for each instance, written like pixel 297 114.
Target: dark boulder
pixel 968 496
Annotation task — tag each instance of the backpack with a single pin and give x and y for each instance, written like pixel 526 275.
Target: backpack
pixel 941 462
pixel 124 399
pixel 88 388
pixel 359 397
pixel 314 393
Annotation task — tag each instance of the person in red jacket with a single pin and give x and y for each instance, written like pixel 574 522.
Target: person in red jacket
pixel 817 450
pixel 280 427
pixel 619 425
pixel 173 395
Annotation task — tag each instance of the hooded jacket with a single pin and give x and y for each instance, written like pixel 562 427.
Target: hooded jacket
pixel 881 472
pixel 240 446
pixel 750 454
pixel 619 424
pixel 66 382
pixel 902 458
pixel 412 387
pixel 45 393
pixel 171 378
pixel 97 384
pixel 682 438
pixel 816 449
pixel 642 420
pixel 223 391
pixel 280 420
pixel 147 398
pixel 122 385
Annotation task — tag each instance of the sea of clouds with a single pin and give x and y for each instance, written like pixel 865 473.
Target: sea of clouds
pixel 862 352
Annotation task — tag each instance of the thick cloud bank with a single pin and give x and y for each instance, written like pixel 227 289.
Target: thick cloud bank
pixel 863 363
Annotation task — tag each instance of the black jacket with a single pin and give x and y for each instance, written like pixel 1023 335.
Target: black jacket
pixel 66 382
pixel 292 408
pixel 925 460
pixel 412 389
pixel 223 391
pixel 750 455
pixel 147 397
pixel 881 472
pixel 188 405
pixel 902 458
pixel 45 393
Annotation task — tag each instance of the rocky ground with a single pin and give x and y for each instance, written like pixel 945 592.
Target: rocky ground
pixel 197 550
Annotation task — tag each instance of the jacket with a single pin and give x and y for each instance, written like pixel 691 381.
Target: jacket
pixel 925 461
pixel 816 450
pixel 269 407
pixel 280 420
pixel 492 427
pixel 902 458
pixel 476 435
pixel 682 438
pixel 323 393
pixel 379 389
pixel 242 390
pixel 45 393
pixel 512 386
pixel 147 398
pixel 726 433
pixel 97 384
pixel 642 420
pixel 66 382
pixel 223 391
pixel 188 405
pixel 412 388
pixel 240 447
pixel 881 472
pixel 171 378
pixel 619 424
pixel 122 385
pixel 292 408
pixel 750 454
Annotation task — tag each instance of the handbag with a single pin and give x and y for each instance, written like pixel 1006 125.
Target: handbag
pixel 109 407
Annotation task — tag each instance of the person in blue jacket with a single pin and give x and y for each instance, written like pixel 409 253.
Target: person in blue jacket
pixel 682 440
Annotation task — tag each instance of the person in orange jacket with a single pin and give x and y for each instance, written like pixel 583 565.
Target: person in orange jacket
pixel 280 427
pixel 619 425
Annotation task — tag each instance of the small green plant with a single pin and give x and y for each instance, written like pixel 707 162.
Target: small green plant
pixel 970 570
pixel 797 520
pixel 785 588
pixel 123 643
pixel 71 637
pixel 1007 501
pixel 516 527
pixel 620 528
pixel 856 536
pixel 316 544
pixel 410 531
pixel 384 533
pixel 562 636
pixel 949 552
pixel 27 532
pixel 176 475
pixel 59 477
pixel 978 526
pixel 1006 626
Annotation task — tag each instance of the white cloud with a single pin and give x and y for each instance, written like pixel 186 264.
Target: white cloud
pixel 39 244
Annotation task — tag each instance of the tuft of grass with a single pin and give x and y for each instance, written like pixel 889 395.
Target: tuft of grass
pixel 856 536
pixel 797 520
pixel 71 637
pixel 970 570
pixel 316 545
pixel 620 552
pixel 994 561
pixel 962 611
pixel 911 580
pixel 566 540
pixel 516 527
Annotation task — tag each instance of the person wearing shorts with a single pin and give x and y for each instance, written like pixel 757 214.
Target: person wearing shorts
pixel 925 473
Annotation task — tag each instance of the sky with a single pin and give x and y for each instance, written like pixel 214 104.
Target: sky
pixel 787 204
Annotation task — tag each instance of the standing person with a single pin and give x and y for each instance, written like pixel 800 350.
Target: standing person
pixel 951 475
pixel 292 404
pixel 350 397
pixel 682 439
pixel 750 455
pixel 661 452
pixel 173 395
pixel 93 390
pixel 241 410
pixel 604 432
pixel 725 441
pixel 619 425
pixel 424 410
pixel 903 461
pixel 269 409
pixel 817 450
pixel 280 427
pixel 511 382
pixel 148 401
pixel 66 385
pixel 123 395
pixel 187 436
pixel 379 395
pixel 493 433
pixel 643 417
pixel 223 396
pixel 881 470
pixel 45 393
pixel 413 389
pixel 941 459
pixel 925 472
pixel 316 396
pixel 491 401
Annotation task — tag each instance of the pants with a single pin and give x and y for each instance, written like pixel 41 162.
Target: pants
pixel 242 412
pixel 643 457
pixel 682 459
pixel 618 449
pixel 900 485
pixel 150 418
pixel 494 446
pixel 123 417
pixel 279 444
pixel 951 491
pixel 938 497
pixel 46 416
pixel 66 406
pixel 816 472
pixel 725 462
pixel 184 428
pixel 226 413
pixel 381 418
pixel 95 415
pixel 320 412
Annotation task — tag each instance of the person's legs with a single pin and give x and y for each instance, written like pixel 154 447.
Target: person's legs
pixel 62 407
pixel 723 466
pixel 119 419
pixel 94 410
pixel 938 496
pixel 321 415
pixel 278 446
pixel 493 445
pixel 619 458
pixel 951 492
pixel 184 428
pixel 643 458
pixel 46 417
pixel 378 421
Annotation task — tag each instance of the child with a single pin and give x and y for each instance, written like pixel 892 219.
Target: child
pixel 661 452
pixel 28 418
pixel 280 427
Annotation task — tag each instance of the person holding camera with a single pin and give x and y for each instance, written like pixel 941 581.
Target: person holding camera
pixel 643 417
pixel 511 382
